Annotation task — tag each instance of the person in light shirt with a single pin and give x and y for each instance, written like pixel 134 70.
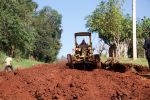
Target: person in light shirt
pixel 8 64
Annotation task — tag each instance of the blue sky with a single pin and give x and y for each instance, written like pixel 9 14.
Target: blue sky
pixel 74 13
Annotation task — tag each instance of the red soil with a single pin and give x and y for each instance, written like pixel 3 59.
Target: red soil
pixel 55 82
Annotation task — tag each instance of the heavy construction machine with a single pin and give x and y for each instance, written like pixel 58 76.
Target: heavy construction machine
pixel 83 56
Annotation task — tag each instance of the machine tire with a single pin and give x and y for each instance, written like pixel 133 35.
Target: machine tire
pixel 69 58
pixel 98 65
pixel 96 58
pixel 97 61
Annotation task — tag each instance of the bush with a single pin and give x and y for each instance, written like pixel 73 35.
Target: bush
pixel 2 57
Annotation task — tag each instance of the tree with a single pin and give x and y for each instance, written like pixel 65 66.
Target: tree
pixel 24 31
pixel 143 28
pixel 16 32
pixel 47 23
pixel 108 20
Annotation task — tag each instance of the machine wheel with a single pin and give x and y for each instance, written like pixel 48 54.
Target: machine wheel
pixel 96 58
pixel 98 65
pixel 69 58
pixel 97 61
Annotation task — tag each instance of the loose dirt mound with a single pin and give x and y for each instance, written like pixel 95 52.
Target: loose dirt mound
pixel 55 82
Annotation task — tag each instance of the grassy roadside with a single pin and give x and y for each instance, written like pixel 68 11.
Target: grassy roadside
pixel 18 62
pixel 139 61
pixel 22 63
pixel 27 63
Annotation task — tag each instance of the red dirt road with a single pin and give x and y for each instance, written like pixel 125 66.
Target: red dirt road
pixel 54 82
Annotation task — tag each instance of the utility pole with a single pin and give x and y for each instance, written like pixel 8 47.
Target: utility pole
pixel 134 29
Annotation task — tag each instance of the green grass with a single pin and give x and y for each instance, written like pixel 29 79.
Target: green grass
pixel 27 63
pixel 18 62
pixel 139 61
pixel 24 63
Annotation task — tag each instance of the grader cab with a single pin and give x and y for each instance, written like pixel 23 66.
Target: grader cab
pixel 83 54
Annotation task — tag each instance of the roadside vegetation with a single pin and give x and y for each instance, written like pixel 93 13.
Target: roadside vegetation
pixel 138 61
pixel 18 63
pixel 115 28
pixel 27 32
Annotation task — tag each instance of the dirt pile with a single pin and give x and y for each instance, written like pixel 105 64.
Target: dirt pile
pixel 55 82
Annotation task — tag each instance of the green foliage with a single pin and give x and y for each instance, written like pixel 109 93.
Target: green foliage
pixel 143 28
pixel 24 63
pixel 47 23
pixel 24 31
pixel 15 25
pixel 17 62
pixel 107 20
pixel 2 57
pixel 114 27
pixel 127 28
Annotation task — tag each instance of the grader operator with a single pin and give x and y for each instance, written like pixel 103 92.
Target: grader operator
pixel 83 54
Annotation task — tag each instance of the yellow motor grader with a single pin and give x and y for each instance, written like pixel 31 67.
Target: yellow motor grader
pixel 83 54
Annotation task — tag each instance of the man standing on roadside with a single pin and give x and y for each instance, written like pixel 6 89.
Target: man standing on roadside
pixel 147 49
pixel 8 64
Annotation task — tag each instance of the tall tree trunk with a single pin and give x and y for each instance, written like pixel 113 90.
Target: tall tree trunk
pixel 117 49
pixel 125 50
pixel 112 50
pixel 12 51
pixel 122 49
